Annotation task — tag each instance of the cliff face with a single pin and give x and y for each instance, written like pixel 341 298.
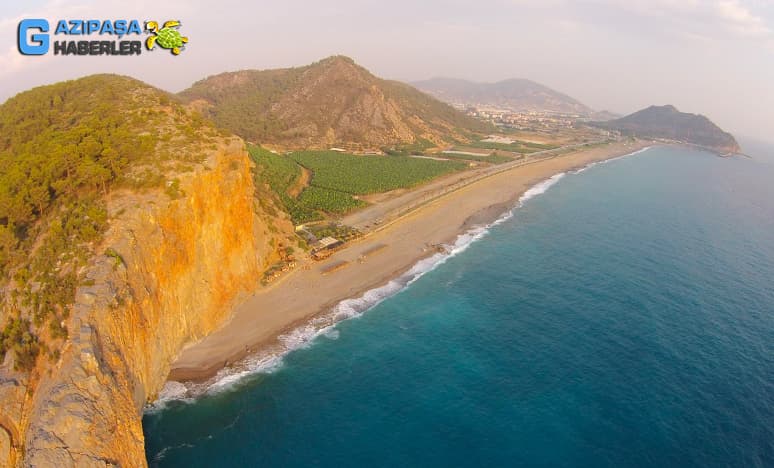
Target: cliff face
pixel 172 269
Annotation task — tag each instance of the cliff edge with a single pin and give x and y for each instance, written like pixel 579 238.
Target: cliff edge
pixel 165 270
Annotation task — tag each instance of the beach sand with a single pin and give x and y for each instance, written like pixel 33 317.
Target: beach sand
pixel 304 293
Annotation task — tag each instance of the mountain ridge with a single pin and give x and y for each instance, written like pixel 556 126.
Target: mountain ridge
pixel 515 94
pixel 668 123
pixel 332 102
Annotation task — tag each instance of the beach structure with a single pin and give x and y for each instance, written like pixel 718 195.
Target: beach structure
pixel 323 248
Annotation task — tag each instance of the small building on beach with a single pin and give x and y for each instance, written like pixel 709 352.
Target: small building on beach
pixel 328 243
pixel 323 248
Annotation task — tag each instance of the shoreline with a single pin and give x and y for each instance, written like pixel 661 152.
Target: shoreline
pixel 262 328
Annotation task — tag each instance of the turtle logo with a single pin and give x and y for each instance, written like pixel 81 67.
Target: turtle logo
pixel 168 37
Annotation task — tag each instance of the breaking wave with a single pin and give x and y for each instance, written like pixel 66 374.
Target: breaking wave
pixel 605 161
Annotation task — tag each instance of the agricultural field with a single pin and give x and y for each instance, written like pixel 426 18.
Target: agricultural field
pixel 330 201
pixel 407 149
pixel 280 173
pixel 517 146
pixel 338 178
pixel 494 158
pixel 360 175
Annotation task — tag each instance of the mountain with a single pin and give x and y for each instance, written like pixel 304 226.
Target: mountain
pixel 518 95
pixel 333 102
pixel 128 225
pixel 603 115
pixel 666 122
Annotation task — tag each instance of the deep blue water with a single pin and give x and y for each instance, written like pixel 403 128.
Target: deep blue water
pixel 623 318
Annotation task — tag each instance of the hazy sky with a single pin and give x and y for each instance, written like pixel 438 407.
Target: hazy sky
pixel 714 57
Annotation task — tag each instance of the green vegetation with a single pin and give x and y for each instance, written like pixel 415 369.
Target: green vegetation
pixel 339 95
pixel 17 336
pixel 245 109
pixel 328 200
pixel 337 178
pixel 516 146
pixel 407 149
pixel 280 173
pixel 360 175
pixel 538 146
pixel 173 189
pixel 118 260
pixel 62 148
pixel 339 231
pixel 437 115
pixel 666 122
pixel 493 158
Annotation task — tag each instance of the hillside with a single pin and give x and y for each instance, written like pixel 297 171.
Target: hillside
pixel 333 102
pixel 517 95
pixel 63 147
pixel 666 122
pixel 128 224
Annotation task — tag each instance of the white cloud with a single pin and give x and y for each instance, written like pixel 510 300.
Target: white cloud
pixel 732 15
pixel 740 20
pixel 721 19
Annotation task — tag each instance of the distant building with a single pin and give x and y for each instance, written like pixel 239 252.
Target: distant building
pixel 498 139
pixel 328 243
pixel 323 248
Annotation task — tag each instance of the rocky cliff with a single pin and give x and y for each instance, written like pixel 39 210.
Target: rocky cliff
pixel 172 268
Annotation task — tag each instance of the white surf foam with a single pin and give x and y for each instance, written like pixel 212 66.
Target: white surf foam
pixel 270 359
pixel 323 325
pixel 540 188
pixel 172 391
pixel 605 161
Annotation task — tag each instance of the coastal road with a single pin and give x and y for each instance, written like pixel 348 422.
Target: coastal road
pixel 389 207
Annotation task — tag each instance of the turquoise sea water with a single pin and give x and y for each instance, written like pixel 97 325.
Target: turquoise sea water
pixel 625 317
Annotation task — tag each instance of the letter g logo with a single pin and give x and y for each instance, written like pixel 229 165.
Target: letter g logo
pixel 37 43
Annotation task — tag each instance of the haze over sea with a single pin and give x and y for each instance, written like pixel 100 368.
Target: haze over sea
pixel 625 317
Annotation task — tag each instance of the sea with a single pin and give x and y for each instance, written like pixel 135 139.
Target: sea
pixel 621 315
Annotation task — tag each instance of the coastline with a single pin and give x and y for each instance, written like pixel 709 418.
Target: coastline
pixel 305 303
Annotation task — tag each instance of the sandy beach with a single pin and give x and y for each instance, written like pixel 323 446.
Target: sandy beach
pixel 371 262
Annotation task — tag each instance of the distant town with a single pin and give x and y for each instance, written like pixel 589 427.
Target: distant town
pixel 531 120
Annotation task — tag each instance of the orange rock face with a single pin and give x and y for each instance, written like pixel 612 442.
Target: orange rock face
pixel 181 265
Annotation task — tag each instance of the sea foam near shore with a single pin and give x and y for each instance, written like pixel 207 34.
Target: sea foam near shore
pixel 605 161
pixel 270 358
